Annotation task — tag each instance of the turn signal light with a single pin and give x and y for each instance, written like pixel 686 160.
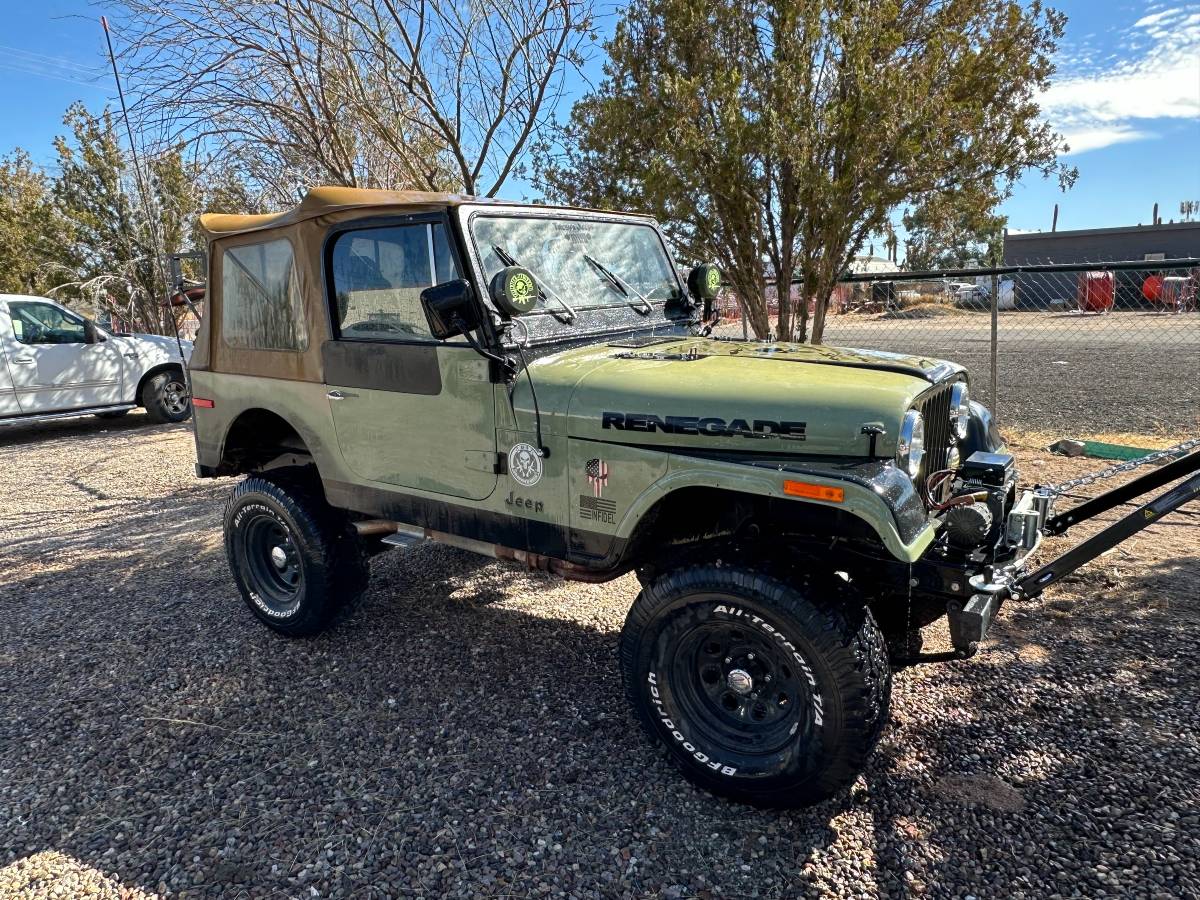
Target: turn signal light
pixel 814 491
pixel 202 403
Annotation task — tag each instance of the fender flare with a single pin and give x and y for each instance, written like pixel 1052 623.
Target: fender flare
pixel 873 491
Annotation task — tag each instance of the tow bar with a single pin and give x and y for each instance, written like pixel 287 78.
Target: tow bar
pixel 969 622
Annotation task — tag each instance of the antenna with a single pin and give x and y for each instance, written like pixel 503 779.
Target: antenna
pixel 151 211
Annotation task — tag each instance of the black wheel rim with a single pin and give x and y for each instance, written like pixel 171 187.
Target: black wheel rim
pixel 175 397
pixel 272 562
pixel 739 688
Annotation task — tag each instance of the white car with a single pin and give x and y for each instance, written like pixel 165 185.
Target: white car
pixel 54 364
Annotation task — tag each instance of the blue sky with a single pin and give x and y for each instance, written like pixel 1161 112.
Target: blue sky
pixel 1127 99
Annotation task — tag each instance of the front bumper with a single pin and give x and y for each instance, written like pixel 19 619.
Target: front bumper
pixel 970 618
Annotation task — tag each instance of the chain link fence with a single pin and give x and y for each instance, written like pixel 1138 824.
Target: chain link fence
pixel 1109 348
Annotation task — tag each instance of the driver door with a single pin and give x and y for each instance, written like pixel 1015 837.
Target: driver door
pixel 52 364
pixel 409 410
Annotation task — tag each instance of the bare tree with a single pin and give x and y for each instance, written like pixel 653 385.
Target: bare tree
pixel 419 94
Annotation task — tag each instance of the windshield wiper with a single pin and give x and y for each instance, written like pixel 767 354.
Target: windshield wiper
pixel 620 284
pixel 507 258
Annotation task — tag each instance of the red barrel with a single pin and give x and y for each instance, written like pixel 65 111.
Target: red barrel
pixel 1152 288
pixel 1095 292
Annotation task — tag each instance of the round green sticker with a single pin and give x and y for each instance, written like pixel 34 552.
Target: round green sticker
pixel 521 288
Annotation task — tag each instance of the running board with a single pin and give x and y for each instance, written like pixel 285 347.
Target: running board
pixel 66 414
pixel 400 534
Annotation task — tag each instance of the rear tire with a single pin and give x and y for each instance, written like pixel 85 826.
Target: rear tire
pixel 165 397
pixel 294 558
pixel 759 690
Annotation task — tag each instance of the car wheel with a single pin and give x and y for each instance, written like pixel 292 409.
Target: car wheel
pixel 759 691
pixel 165 397
pixel 294 558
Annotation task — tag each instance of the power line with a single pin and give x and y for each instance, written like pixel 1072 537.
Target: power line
pixel 152 216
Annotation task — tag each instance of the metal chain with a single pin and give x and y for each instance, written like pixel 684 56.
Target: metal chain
pixel 1120 468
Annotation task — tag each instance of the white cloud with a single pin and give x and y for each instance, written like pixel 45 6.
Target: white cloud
pixel 1081 140
pixel 1098 105
pixel 1154 18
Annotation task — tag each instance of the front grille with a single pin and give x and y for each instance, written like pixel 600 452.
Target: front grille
pixel 934 406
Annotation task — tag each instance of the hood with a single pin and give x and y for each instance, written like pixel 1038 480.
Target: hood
pixel 156 344
pixel 731 396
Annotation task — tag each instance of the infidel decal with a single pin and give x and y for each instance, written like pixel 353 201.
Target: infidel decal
pixel 597 509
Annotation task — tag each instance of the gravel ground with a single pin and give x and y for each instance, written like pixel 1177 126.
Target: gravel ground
pixel 463 733
pixel 1125 372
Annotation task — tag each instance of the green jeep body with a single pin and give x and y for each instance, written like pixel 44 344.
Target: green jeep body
pixel 620 437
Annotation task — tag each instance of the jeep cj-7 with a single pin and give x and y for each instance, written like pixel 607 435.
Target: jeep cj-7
pixel 542 386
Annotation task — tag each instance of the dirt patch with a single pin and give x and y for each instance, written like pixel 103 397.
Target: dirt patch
pixel 980 790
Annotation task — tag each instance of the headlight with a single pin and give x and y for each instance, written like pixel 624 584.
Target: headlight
pixel 910 451
pixel 960 409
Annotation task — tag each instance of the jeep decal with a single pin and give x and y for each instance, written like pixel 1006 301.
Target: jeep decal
pixel 703 426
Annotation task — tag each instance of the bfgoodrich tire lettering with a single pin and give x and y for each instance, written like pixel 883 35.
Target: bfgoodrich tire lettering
pixel 293 557
pixel 759 690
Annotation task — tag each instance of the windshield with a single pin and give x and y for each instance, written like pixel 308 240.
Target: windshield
pixel 569 257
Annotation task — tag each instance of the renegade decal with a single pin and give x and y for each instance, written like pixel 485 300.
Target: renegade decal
pixel 597 509
pixel 703 426
pixel 597 475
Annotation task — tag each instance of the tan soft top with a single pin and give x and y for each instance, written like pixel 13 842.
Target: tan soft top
pixel 321 200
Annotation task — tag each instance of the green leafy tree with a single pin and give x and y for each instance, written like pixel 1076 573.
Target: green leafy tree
pixel 32 232
pixel 950 230
pixel 123 228
pixel 776 137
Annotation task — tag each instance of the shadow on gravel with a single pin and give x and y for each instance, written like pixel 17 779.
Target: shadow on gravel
pixel 1065 770
pixel 435 741
pixel 457 735
pixel 87 428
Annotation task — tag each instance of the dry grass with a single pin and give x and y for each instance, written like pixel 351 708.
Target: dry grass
pixel 925 310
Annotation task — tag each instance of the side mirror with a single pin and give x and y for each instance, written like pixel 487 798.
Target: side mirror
pixel 92 334
pixel 450 309
pixel 704 283
pixel 514 291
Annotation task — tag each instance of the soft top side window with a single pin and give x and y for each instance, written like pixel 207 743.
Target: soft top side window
pixel 377 276
pixel 261 307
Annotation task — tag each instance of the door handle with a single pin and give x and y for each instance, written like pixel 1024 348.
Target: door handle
pixel 336 395
pixel 23 360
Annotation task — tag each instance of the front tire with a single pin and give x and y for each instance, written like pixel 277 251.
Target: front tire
pixel 294 558
pixel 165 397
pixel 759 690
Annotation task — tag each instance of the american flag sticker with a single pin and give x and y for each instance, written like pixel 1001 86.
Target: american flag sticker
pixel 597 476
